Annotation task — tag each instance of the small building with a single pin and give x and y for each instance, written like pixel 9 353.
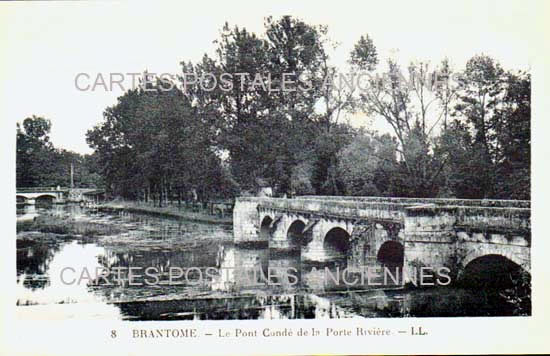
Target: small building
pixel 264 189
pixel 95 196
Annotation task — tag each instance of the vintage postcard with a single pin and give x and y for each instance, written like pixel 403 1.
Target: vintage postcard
pixel 274 178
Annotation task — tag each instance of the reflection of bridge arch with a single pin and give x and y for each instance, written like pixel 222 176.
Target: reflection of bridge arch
pixel 491 270
pixel 295 233
pixel 336 243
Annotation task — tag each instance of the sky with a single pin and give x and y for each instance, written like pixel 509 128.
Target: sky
pixel 45 45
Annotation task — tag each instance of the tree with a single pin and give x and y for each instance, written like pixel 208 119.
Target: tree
pixel 34 151
pixel 325 177
pixel 461 179
pixel 407 107
pixel 357 164
pixel 488 140
pixel 445 89
pixel 264 128
pixel 39 163
pixel 154 144
pixel 512 127
pixel 480 93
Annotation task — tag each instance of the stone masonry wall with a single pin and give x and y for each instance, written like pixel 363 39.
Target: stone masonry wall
pixel 245 220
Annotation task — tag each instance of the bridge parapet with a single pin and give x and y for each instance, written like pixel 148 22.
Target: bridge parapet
pixel 40 189
pixel 341 209
pixel 495 203
pixel 509 219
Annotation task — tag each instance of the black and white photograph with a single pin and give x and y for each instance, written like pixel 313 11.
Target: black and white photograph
pixel 350 162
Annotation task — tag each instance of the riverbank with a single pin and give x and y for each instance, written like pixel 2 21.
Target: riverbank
pixel 168 211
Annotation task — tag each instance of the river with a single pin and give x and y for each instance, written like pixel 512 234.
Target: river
pixel 67 255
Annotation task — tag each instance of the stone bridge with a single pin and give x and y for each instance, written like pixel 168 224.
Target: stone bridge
pixel 372 231
pixel 28 196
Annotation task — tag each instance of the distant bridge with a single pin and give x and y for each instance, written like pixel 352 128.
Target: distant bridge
pixel 58 195
pixel 29 196
pixel 367 231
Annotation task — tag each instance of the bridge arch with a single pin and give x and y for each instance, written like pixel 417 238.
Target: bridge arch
pixel 265 227
pixel 49 198
pixel 492 270
pixel 336 243
pixel 295 233
pixel 53 196
pixel 21 199
pixel 517 254
pixel 391 254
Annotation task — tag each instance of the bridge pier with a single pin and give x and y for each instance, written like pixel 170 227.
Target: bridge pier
pixel 246 227
pixel 279 238
pixel 429 240
pixel 336 247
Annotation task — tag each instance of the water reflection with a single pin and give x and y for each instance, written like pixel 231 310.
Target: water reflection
pixel 26 212
pixel 241 268
pixel 282 306
pixel 61 270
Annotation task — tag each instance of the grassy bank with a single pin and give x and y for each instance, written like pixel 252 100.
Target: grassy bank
pixel 182 212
